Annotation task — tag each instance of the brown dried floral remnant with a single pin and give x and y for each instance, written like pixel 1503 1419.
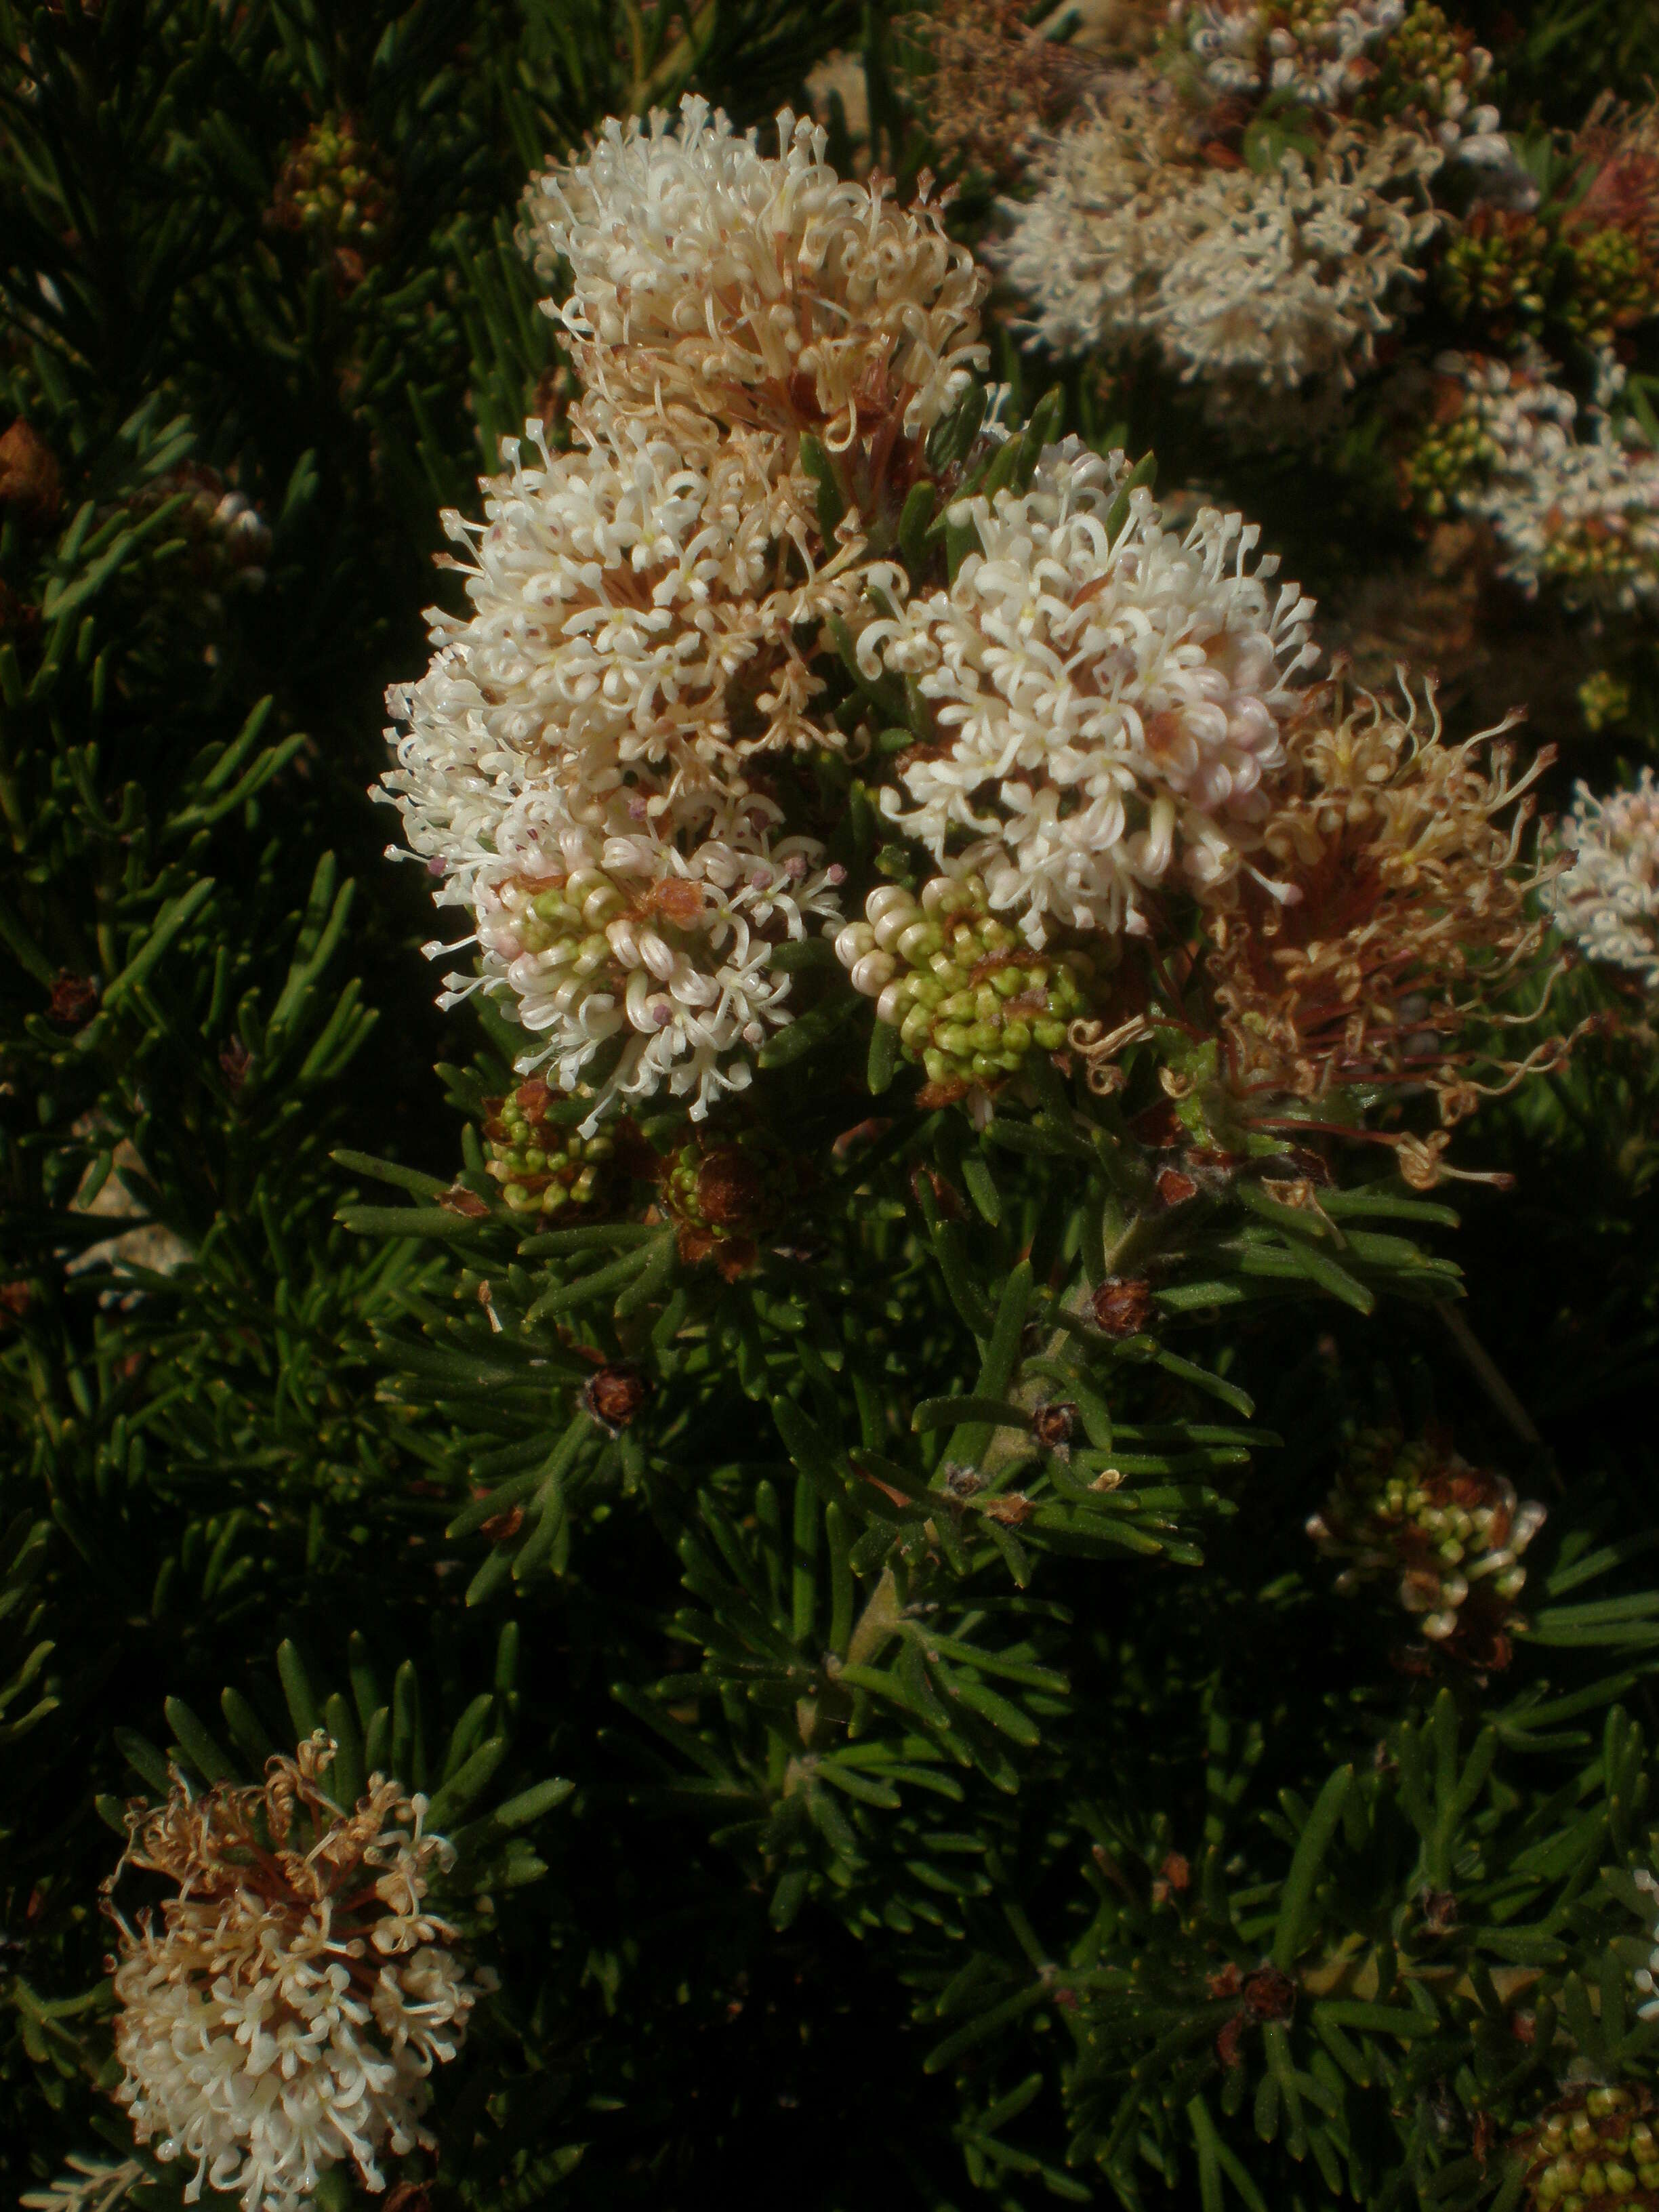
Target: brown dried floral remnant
pixel 1397 905
pixel 995 79
pixel 30 486
pixel 300 1991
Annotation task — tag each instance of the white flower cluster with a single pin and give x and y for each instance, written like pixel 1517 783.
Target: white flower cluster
pixel 1324 56
pixel 1264 279
pixel 630 645
pixel 281 2023
pixel 780 291
pixel 1606 898
pixel 1579 513
pixel 1106 706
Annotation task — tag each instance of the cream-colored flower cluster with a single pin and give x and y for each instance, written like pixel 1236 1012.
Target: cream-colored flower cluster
pixel 1266 256
pixel 1106 706
pixel 583 765
pixel 763 289
pixel 1577 513
pixel 1240 277
pixel 287 2015
pixel 1607 897
pixel 644 612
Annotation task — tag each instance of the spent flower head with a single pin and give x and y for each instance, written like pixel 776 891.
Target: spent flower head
pixel 285 2017
pixel 1400 904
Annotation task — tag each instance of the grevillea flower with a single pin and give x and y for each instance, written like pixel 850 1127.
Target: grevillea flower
pixel 762 289
pixel 1264 278
pixel 1607 897
pixel 1400 904
pixel 654 938
pixel 643 622
pixel 1580 512
pixel 1106 706
pixel 299 1992
pixel 1451 1534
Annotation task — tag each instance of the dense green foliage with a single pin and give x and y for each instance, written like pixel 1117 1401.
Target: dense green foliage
pixel 938 1800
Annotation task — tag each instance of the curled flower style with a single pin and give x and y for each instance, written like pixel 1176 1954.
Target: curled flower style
pixel 1580 513
pixel 1607 896
pixel 1107 706
pixel 1453 1534
pixel 286 2016
pixel 761 289
pixel 1268 279
pixel 659 942
pixel 1406 906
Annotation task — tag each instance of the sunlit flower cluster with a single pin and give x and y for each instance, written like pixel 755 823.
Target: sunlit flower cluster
pixel 761 288
pixel 1607 897
pixel 286 2016
pixel 1105 707
pixel 643 618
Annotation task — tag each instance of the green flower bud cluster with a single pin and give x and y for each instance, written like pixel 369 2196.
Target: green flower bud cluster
pixel 1419 67
pixel 1444 461
pixel 542 1167
pixel 563 927
pixel 1604 700
pixel 1593 549
pixel 970 999
pixel 1501 266
pixel 335 188
pixel 1615 286
pixel 1599 2155
pixel 1420 1511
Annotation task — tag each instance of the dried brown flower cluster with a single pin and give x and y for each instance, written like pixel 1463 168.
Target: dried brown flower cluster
pixel 1395 906
pixel 995 79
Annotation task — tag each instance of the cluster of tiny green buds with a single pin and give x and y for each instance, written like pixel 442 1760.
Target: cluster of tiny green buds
pixel 1501 266
pixel 542 1167
pixel 1419 1512
pixel 1448 457
pixel 1597 2154
pixel 970 999
pixel 335 188
pixel 1615 285
pixel 1596 548
pixel 1604 701
pixel 1421 65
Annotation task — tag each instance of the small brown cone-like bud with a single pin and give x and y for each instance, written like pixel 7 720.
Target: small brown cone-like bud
pixel 74 999
pixel 1269 1995
pixel 1053 1425
pixel 16 1299
pixel 730 1186
pixel 1122 1306
pixel 616 1395
pixel 29 483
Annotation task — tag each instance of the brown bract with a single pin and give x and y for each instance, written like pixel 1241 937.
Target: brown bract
pixel 1396 905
